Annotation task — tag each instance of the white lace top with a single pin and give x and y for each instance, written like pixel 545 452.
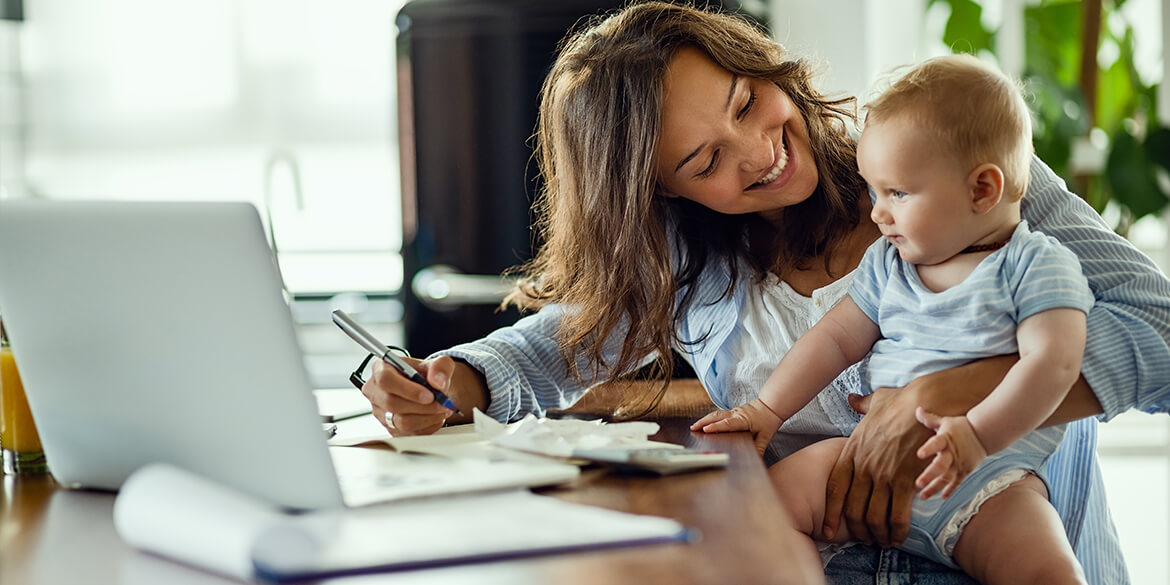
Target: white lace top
pixel 772 318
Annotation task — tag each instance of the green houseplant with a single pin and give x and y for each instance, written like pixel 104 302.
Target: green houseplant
pixel 1082 81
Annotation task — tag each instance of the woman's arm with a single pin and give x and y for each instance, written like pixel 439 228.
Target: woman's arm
pixel 513 371
pixel 523 368
pixel 1127 351
pixel 872 483
pixel 957 390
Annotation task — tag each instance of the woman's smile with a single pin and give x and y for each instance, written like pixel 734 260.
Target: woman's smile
pixel 778 167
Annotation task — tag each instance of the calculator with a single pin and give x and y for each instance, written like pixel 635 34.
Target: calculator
pixel 656 460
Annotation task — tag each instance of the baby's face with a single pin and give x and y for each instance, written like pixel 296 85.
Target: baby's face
pixel 924 203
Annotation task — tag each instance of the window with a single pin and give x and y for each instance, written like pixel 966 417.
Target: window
pixel 254 100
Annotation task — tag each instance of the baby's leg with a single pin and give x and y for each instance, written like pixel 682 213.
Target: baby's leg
pixel 800 481
pixel 1017 537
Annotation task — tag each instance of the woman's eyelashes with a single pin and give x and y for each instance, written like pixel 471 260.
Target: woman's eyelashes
pixel 747 107
pixel 711 167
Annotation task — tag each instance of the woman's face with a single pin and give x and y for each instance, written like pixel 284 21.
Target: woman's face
pixel 733 144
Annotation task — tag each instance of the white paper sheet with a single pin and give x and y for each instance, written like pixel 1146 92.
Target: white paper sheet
pixel 183 516
pixel 177 514
pixel 528 439
pixel 560 438
pixel 441 531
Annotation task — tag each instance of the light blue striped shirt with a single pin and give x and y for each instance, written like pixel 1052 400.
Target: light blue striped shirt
pixel 1127 359
pixel 924 331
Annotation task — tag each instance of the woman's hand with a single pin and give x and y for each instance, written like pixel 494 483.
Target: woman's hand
pixel 406 408
pixel 754 417
pixel 873 480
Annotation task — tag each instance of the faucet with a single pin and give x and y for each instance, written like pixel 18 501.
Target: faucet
pixel 281 157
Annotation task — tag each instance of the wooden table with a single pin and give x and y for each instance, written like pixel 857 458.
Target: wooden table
pixel 51 536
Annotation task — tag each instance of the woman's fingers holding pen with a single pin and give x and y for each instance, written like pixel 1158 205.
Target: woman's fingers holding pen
pixel 397 385
pixel 404 407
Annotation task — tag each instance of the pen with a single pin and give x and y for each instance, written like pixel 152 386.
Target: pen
pixel 372 345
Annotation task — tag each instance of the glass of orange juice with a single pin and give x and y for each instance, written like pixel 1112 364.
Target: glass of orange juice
pixel 20 445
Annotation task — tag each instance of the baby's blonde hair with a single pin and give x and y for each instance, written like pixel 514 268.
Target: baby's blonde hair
pixel 971 108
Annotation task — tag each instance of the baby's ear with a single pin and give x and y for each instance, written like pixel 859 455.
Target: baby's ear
pixel 986 186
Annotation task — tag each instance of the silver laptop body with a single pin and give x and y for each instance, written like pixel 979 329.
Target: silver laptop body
pixel 158 332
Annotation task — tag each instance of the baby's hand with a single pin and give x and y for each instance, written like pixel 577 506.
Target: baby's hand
pixel 754 417
pixel 956 451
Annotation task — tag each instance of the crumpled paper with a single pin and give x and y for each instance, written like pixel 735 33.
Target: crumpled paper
pixel 560 438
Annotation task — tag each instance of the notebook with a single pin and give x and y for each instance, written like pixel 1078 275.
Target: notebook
pixel 223 531
pixel 157 332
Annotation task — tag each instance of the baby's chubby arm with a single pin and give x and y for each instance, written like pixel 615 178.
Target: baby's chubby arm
pixel 1051 345
pixel 841 338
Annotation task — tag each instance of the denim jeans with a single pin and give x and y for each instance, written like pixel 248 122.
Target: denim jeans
pixel 870 565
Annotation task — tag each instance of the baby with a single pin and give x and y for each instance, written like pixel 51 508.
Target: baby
pixel 957 276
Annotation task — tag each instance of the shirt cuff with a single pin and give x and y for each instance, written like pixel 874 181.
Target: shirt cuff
pixel 1123 358
pixel 502 380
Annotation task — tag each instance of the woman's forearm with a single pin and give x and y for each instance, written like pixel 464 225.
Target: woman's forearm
pixel 955 391
pixel 1080 403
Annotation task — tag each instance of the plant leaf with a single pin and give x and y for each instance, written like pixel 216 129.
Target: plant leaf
pixel 964 31
pixel 1130 174
pixel 1157 147
pixel 1053 40
pixel 1058 117
pixel 1116 97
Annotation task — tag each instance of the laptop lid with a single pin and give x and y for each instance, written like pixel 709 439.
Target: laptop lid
pixel 157 332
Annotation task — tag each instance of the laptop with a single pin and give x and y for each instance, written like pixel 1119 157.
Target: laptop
pixel 157 332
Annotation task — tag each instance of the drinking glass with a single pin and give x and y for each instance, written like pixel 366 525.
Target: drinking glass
pixel 20 445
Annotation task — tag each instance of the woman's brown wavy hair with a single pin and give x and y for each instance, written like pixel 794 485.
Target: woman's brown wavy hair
pixel 608 244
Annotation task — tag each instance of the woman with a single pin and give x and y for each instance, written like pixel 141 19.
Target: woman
pixel 701 196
